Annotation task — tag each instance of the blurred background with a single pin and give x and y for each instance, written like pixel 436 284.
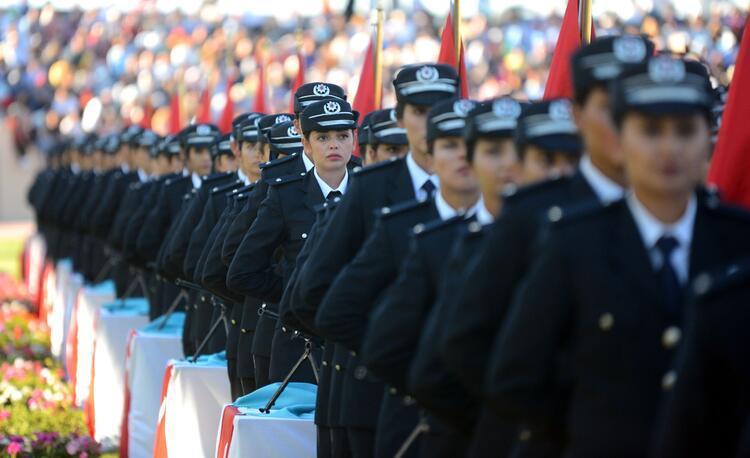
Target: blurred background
pixel 92 65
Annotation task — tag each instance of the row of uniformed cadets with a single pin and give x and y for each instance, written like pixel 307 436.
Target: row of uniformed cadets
pixel 438 316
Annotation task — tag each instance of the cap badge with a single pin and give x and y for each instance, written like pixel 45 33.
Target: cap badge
pixel 427 73
pixel 392 115
pixel 463 107
pixel 321 89
pixel 331 107
pixel 629 49
pixel 506 108
pixel 203 130
pixel 282 118
pixel 292 131
pixel 559 110
pixel 665 69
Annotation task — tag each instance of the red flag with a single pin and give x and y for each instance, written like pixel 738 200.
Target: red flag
pixel 448 54
pixel 175 121
pixel 225 122
pixel 259 105
pixel 204 108
pixel 148 112
pixel 364 100
pixel 730 162
pixel 559 82
pixel 298 81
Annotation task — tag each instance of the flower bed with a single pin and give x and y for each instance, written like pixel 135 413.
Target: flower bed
pixel 37 415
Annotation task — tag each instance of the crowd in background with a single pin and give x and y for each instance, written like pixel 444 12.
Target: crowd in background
pixel 53 63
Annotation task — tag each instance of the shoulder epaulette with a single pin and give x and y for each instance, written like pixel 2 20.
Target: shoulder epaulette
pixel 173 181
pixel 209 180
pixel 715 205
pixel 422 229
pixel 227 187
pixel 378 166
pixel 402 207
pixel 279 161
pixel 241 190
pixel 727 277
pixel 560 215
pixel 280 181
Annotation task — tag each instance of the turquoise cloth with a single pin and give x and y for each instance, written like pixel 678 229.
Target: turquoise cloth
pixel 215 360
pixel 127 307
pixel 296 401
pixel 105 287
pixel 173 326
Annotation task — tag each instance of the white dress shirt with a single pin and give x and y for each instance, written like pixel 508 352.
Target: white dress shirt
pixel 478 210
pixel 197 182
pixel 418 178
pixel 325 189
pixel 606 190
pixel 75 168
pixel 243 177
pixel 651 230
pixel 142 175
pixel 125 168
pixel 308 163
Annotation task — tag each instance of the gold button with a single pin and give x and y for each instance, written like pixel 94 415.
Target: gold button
pixel 393 391
pixel 304 236
pixel 353 353
pixel 338 367
pixel 555 214
pixel 325 363
pixel 234 322
pixel 606 321
pixel 671 337
pixel 244 331
pixel 408 401
pixel 525 435
pixel 278 180
pixel 668 381
pixel 360 373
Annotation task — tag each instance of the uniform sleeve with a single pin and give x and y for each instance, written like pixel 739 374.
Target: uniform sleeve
pixel 242 223
pixel 214 274
pixel 339 243
pixel 520 381
pixel 475 317
pixel 345 310
pixel 199 238
pixel 393 333
pixel 251 272
pixel 151 235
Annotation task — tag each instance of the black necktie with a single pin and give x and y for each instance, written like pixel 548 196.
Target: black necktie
pixel 333 194
pixel 429 188
pixel 670 284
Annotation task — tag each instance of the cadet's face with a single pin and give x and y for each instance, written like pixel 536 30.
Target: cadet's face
pixel 251 158
pixel 385 152
pixel 598 131
pixel 330 150
pixel 538 166
pixel 176 164
pixel 496 164
pixel 162 165
pixel 415 122
pixel 450 164
pixel 226 163
pixel 199 161
pixel 665 155
pixel 142 158
pixel 263 150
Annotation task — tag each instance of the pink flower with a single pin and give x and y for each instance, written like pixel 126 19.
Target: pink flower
pixel 4 415
pixel 83 455
pixel 14 448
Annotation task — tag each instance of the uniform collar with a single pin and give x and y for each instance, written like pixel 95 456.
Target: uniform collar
pixel 325 189
pixel 606 190
pixel 308 163
pixel 447 212
pixel 75 168
pixel 651 229
pixel 142 175
pixel 419 176
pixel 243 177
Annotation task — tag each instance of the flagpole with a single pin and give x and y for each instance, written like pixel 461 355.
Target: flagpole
pixel 377 55
pixel 586 21
pixel 457 30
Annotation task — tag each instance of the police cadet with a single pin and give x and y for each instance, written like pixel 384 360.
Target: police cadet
pixel 286 216
pixel 386 138
pixel 244 147
pixel 384 184
pixel 491 151
pixel 363 139
pixel 707 412
pixel 508 251
pixel 609 282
